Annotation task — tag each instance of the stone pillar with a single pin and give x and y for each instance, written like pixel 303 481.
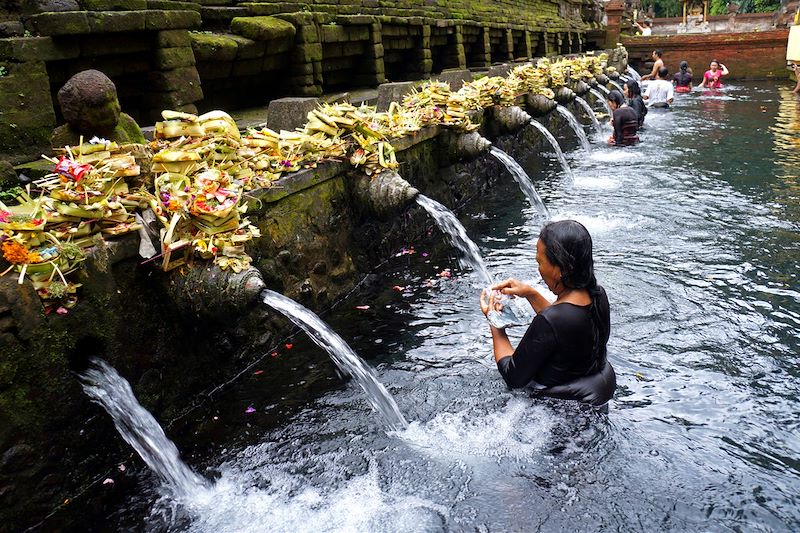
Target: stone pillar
pixel 305 72
pixel 459 47
pixel 528 44
pixel 486 44
pixel 425 54
pixel 176 74
pixel 374 53
pixel 509 45
pixel 614 11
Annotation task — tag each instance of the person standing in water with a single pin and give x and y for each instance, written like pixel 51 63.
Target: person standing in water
pixel 658 63
pixel 624 119
pixel 659 93
pixel 563 353
pixel 633 93
pixel 712 77
pixel 682 80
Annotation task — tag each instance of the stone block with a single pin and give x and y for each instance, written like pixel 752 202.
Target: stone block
pixel 173 5
pixel 49 6
pixel 213 47
pixel 173 39
pixel 175 79
pixel 308 90
pixel 263 28
pixel 275 62
pixel 357 33
pixel 171 58
pixel 375 51
pixel 333 33
pixel 393 92
pixel 171 20
pixel 302 79
pixel 454 77
pixel 214 70
pixel 222 13
pixel 113 5
pixel 289 113
pixel 248 48
pixel 499 70
pixel 270 8
pixel 12 28
pixel 68 23
pixel 247 67
pixel 307 53
pixel 116 21
pixel 37 48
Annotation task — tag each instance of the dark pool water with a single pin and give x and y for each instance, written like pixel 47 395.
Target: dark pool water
pixel 697 242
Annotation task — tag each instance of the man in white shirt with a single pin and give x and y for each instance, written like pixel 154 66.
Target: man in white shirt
pixel 659 91
pixel 646 29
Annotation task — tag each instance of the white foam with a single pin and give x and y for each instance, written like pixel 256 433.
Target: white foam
pixel 596 182
pixel 602 223
pixel 518 430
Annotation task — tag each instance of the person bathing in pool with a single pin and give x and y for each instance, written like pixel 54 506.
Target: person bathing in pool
pixel 563 352
pixel 624 119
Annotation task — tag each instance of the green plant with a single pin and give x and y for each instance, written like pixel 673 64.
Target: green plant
pixel 9 196
pixel 3 71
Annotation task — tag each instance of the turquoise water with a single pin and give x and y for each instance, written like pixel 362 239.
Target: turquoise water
pixel 697 242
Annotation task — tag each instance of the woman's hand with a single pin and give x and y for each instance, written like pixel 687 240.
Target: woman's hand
pixel 514 287
pixel 489 302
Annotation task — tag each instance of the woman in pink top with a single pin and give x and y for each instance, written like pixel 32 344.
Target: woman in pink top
pixel 711 79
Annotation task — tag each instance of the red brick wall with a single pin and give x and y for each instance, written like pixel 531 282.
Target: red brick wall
pixel 747 55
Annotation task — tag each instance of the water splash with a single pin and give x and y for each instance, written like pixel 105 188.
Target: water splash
pixel 635 75
pixel 586 107
pixel 104 385
pixel 617 85
pixel 576 126
pixel 522 179
pixel 342 355
pixel 449 224
pixel 602 99
pixel 554 143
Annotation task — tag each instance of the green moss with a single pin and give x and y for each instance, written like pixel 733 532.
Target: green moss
pixel 263 28
pixel 213 47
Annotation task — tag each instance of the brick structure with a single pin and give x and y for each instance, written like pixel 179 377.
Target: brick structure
pixel 747 55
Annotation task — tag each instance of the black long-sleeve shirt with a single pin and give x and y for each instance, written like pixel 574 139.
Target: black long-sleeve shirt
pixel 638 105
pixel 626 123
pixel 561 345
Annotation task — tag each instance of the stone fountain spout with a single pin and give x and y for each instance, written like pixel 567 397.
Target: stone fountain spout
pixel 210 292
pixel 602 79
pixel 539 105
pixel 564 95
pixel 511 119
pixel 464 146
pixel 384 194
pixel 580 87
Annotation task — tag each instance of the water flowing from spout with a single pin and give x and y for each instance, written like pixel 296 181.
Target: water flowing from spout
pixel 554 143
pixel 635 75
pixel 617 85
pixel 103 384
pixel 602 99
pixel 449 224
pixel 586 107
pixel 576 126
pixel 342 355
pixel 605 89
pixel 522 179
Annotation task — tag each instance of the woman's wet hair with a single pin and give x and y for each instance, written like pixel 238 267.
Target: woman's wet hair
pixel 616 97
pixel 684 66
pixel 633 88
pixel 714 61
pixel 568 245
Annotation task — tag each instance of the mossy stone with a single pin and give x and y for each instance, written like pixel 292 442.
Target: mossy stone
pixel 263 28
pixel 213 47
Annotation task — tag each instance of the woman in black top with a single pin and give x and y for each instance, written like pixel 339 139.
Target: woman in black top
pixel 563 352
pixel 624 120
pixel 633 93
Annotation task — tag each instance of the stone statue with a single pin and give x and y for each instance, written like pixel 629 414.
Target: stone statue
pixel 90 106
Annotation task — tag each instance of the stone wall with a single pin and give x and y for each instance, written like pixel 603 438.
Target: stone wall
pixel 165 54
pixel 751 55
pixel 318 241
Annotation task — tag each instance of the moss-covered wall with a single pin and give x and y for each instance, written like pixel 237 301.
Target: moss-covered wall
pixel 317 242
